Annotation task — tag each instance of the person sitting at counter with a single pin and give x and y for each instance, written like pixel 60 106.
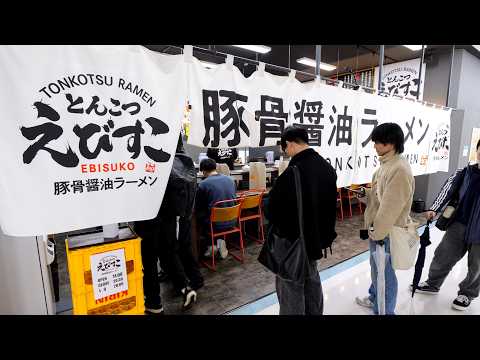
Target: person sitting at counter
pixel 223 156
pixel 215 187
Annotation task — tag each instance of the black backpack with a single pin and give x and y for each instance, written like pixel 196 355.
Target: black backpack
pixel 182 184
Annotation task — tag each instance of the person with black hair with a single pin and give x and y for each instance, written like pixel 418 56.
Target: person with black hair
pixel 461 190
pixel 215 187
pixel 319 196
pixel 223 156
pixel 160 239
pixel 176 256
pixel 388 204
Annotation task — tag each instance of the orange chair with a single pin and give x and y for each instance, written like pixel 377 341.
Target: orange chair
pixel 251 209
pixel 351 195
pixel 222 214
pixel 339 199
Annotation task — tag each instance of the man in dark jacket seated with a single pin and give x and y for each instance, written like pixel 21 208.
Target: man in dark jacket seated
pixel 223 156
pixel 215 187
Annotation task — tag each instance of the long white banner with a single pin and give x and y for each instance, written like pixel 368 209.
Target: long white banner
pixel 89 132
pixel 229 110
pixel 88 135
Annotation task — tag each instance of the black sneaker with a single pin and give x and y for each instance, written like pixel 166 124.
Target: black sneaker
pixel 154 310
pixel 462 302
pixel 424 288
pixel 189 297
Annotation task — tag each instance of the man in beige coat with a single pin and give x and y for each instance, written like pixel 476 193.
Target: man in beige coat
pixel 388 203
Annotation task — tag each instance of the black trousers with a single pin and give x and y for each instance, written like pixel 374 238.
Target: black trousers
pixel 190 264
pixel 177 258
pixel 301 299
pixel 150 245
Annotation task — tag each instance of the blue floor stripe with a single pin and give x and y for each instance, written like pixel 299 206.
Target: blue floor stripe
pixel 269 300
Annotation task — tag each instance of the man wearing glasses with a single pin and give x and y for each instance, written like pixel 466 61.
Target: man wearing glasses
pixel 319 196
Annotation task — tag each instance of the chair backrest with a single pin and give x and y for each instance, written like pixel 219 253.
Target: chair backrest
pixel 258 175
pixel 221 213
pixel 223 169
pixel 251 199
pixel 339 193
pixel 355 186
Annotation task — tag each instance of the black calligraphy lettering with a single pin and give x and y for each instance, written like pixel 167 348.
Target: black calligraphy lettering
pixel 50 132
pixel 235 115
pixel 84 134
pixel 158 128
pixel 409 129
pixel 211 117
pixel 272 122
pixel 373 122
pixel 133 143
pixel 94 106
pixel 134 105
pixel 46 111
pixel 78 101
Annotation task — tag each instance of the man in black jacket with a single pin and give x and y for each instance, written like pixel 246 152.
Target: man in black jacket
pixel 319 196
pixel 160 238
pixel 461 237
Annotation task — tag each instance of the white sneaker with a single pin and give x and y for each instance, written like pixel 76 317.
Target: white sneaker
pixel 365 302
pixel 208 253
pixel 222 246
pixel 189 297
pixel 154 311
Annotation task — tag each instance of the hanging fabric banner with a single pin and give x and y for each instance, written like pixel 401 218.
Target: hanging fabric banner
pixel 89 132
pixel 439 142
pixel 371 113
pixel 403 78
pixel 339 121
pixel 89 135
pixel 269 101
pixel 219 114
pixel 330 121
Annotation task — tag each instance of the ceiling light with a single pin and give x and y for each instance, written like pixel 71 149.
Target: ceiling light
pixel 414 47
pixel 257 48
pixel 313 63
pixel 208 65
pixel 477 47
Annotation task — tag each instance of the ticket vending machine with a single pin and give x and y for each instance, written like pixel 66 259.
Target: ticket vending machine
pixel 25 276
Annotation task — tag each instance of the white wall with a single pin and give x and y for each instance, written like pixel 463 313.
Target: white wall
pixel 22 277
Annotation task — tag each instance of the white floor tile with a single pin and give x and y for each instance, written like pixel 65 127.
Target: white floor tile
pixel 341 289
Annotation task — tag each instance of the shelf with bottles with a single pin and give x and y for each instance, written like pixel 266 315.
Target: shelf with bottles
pixel 365 78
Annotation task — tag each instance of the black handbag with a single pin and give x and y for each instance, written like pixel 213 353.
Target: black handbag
pixel 447 217
pixel 449 214
pixel 286 258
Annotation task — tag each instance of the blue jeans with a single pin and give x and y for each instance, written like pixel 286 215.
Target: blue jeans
pixel 391 284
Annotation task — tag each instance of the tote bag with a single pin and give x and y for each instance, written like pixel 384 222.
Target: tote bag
pixel 404 243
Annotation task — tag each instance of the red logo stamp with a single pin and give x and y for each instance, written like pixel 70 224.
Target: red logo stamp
pixel 150 167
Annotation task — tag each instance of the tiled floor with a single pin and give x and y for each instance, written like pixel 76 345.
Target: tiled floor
pixel 341 284
pixel 234 284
